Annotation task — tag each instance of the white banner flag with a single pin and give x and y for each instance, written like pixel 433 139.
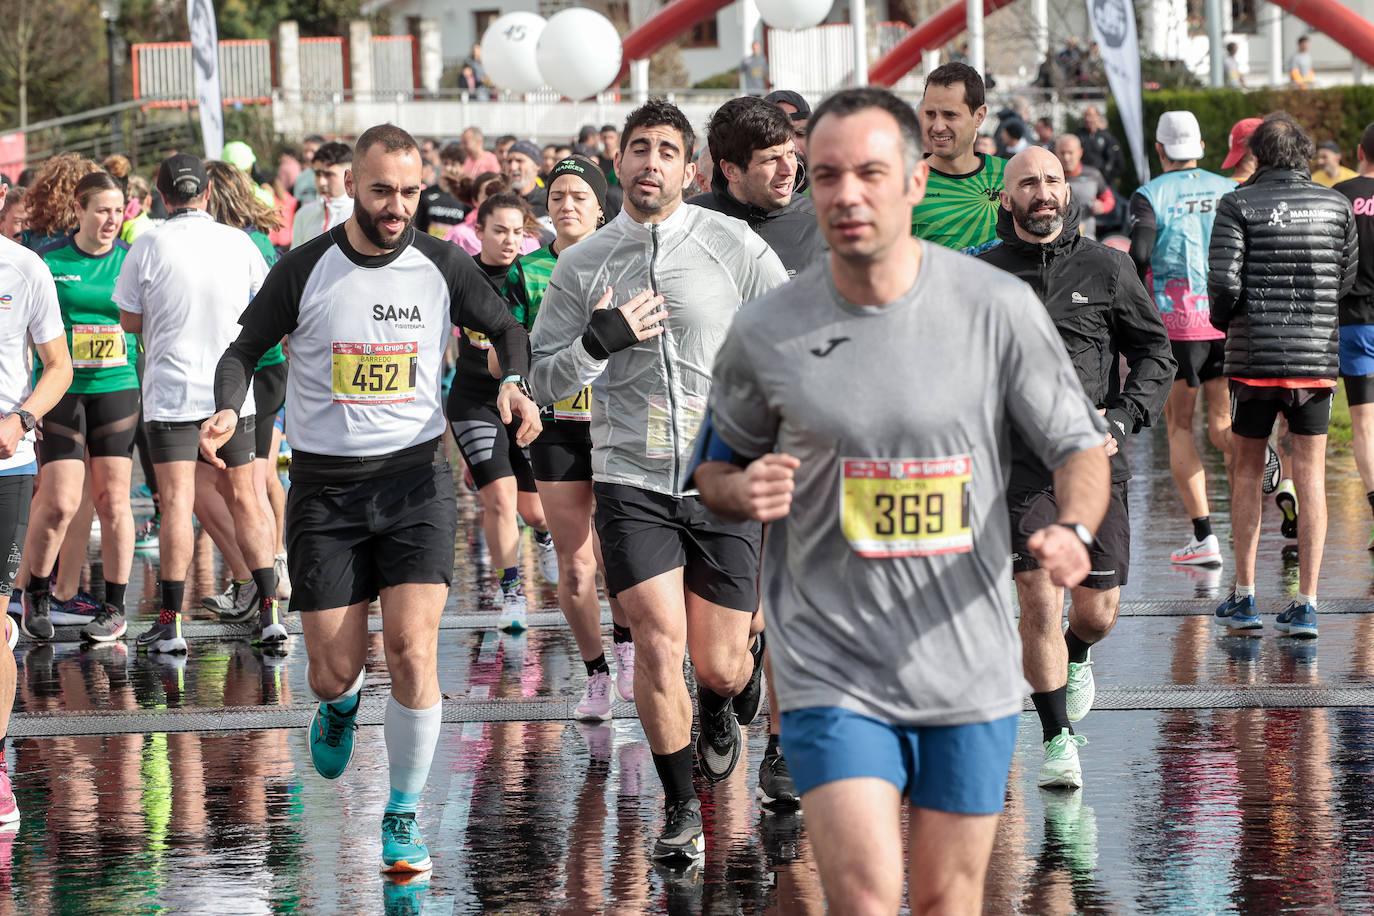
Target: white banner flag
pixel 1113 23
pixel 205 62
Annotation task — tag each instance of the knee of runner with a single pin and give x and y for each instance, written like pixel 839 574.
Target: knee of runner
pixel 329 679
pixel 659 655
pixel 111 501
pixel 63 503
pixel 497 499
pixel 725 676
pixel 578 570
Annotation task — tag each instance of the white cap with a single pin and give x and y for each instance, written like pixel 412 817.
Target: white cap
pixel 1178 132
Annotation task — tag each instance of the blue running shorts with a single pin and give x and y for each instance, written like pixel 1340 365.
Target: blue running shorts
pixel 959 769
pixel 1357 349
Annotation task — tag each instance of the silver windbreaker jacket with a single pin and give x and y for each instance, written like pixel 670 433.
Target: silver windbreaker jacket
pixel 649 398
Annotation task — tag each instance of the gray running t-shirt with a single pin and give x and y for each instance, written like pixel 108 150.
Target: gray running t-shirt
pixel 886 587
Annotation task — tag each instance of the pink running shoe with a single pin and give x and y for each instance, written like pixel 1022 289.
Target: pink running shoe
pixel 9 810
pixel 625 671
pixel 596 701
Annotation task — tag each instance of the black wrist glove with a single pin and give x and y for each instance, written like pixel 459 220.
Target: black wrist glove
pixel 608 332
pixel 1119 423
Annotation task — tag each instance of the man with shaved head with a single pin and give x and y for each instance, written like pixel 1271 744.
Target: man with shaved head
pixel 1088 190
pixel 1100 308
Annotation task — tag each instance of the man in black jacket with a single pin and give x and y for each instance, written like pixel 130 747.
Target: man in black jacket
pixel 1284 251
pixel 1101 309
pixel 752 143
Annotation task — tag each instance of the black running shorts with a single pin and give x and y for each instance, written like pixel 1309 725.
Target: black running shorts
pixel 1359 389
pixel 345 542
pixel 179 440
pixel 645 534
pixel 1111 553
pixel 488 447
pixel 269 394
pixel 1254 408
pixel 563 451
pixel 1198 360
pixel 102 424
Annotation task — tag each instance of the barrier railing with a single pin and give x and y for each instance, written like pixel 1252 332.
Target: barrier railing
pixel 164 70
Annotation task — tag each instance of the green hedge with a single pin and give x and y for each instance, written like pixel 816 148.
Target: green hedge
pixel 1340 114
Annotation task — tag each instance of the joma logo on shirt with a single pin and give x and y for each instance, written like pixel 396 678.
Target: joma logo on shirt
pixel 396 313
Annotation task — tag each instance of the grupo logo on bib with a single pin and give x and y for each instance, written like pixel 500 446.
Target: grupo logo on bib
pixel 1110 16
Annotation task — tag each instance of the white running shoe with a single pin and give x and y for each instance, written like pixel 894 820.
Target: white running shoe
pixel 1082 689
pixel 283 578
pixel 1206 552
pixel 548 558
pixel 1061 766
pixel 596 699
pixel 625 671
pixel 513 608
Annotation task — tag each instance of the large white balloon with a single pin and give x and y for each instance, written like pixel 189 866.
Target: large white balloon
pixel 793 14
pixel 579 52
pixel 508 51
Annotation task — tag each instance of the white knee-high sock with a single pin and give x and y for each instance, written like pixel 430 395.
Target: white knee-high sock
pixel 342 701
pixel 411 735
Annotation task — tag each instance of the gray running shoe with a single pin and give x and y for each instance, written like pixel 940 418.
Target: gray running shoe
pixel 245 604
pixel 107 626
pixel 37 622
pixel 682 836
pixel 719 743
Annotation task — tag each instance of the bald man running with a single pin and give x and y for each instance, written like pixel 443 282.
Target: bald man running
pixel 1100 308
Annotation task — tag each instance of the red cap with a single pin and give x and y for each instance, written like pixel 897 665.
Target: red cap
pixel 1240 141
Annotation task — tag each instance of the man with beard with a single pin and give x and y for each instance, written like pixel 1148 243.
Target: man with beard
pixel 367 308
pixel 685 578
pixel 1100 309
pixel 959 209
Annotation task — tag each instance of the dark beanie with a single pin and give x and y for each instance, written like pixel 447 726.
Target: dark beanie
pixel 585 169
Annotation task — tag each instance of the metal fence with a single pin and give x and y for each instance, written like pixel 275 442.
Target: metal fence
pixel 324 64
pixel 395 63
pixel 164 71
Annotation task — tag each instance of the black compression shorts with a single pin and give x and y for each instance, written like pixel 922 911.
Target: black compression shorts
pixel 345 542
pixel 179 440
pixel 1110 555
pixel 269 394
pixel 103 424
pixel 16 494
pixel 488 447
pixel 645 534
pixel 1254 408
pixel 1359 389
pixel 562 452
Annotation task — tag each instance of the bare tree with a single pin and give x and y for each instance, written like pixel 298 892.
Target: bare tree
pixel 40 45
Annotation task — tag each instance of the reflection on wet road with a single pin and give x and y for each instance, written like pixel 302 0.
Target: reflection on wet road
pixel 1185 809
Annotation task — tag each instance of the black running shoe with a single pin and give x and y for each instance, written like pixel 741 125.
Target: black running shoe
pixel 719 743
pixel 776 787
pixel 746 703
pixel 682 837
pixel 107 626
pixel 37 621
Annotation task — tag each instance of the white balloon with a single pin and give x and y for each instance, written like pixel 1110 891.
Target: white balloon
pixel 508 51
pixel 579 52
pixel 793 14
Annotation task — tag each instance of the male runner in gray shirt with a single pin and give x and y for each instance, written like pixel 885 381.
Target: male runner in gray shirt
pixel 888 379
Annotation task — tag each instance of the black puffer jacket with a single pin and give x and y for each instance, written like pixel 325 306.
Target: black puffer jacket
pixel 1101 310
pixel 1284 251
pixel 791 231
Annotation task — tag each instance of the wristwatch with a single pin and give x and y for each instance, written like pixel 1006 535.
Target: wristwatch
pixel 26 420
pixel 1080 531
pixel 519 382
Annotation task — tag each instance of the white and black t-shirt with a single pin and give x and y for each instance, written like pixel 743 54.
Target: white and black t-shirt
pixel 29 314
pixel 189 278
pixel 367 337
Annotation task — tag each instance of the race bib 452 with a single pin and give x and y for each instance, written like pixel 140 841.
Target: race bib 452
pixel 906 507
pixel 375 373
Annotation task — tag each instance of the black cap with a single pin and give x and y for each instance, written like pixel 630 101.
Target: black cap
pixel 585 169
pixel 182 176
pixel 1330 145
pixel 792 98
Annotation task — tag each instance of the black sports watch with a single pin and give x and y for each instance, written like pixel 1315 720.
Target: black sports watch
pixel 27 420
pixel 519 382
pixel 1080 531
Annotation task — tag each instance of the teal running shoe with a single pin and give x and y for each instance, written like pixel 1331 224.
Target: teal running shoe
pixel 404 894
pixel 402 849
pixel 331 739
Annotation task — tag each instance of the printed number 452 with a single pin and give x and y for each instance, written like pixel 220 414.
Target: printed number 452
pixel 375 377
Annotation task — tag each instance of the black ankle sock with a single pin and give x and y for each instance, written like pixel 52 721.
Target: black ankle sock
pixel 173 594
pixel 266 581
pixel 114 594
pixel 772 745
pixel 1370 498
pixel 39 585
pixel 675 772
pixel 597 664
pixel 1202 527
pixel 710 701
pixel 620 634
pixel 1078 649
pixel 1053 710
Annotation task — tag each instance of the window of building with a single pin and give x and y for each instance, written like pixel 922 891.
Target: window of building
pixel 703 35
pixel 1245 16
pixel 481 19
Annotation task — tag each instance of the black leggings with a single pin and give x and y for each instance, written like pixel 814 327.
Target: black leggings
pixel 145 457
pixel 16 493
